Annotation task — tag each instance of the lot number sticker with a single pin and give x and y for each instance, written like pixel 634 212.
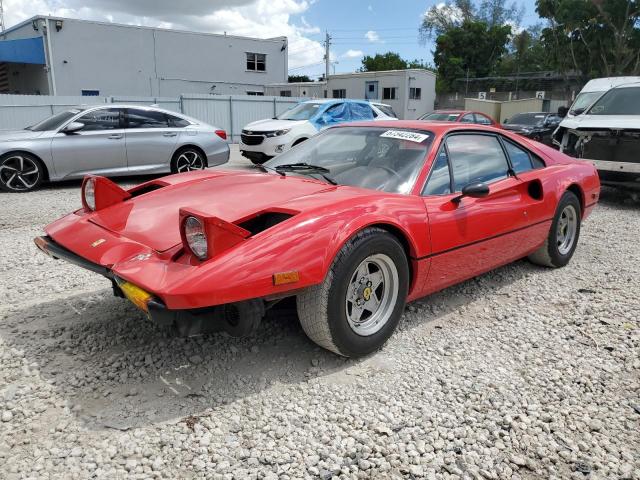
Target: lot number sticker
pixel 404 135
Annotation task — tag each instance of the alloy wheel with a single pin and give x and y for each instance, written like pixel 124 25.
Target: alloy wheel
pixel 189 160
pixel 567 228
pixel 18 173
pixel 372 294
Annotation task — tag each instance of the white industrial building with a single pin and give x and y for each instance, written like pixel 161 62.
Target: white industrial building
pixel 60 56
pixel 410 92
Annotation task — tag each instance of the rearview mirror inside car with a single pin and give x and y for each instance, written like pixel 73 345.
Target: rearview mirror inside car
pixel 73 127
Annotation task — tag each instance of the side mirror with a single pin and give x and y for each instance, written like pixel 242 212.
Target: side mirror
pixel 73 127
pixel 473 190
pixel 578 111
pixel 506 120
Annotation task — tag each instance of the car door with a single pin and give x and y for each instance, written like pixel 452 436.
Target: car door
pixel 150 139
pixel 473 235
pixel 99 147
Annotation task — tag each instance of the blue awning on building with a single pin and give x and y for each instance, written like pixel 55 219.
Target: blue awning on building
pixel 24 50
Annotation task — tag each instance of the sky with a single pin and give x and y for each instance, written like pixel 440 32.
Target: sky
pixel 357 27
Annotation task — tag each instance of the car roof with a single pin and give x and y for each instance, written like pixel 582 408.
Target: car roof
pixel 437 128
pixel 607 83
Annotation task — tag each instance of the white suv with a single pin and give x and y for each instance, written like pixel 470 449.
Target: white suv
pixel 265 139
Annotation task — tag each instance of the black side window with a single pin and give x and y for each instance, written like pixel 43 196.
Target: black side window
pixel 520 158
pixel 146 119
pixel 482 120
pixel 439 182
pixel 177 122
pixel 476 158
pixel 103 119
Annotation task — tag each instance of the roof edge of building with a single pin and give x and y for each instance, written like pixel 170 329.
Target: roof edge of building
pixel 142 27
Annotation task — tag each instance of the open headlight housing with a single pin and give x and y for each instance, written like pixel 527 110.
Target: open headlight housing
pixel 89 193
pixel 196 237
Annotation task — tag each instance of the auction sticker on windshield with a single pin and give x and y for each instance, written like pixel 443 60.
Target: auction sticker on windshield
pixel 405 135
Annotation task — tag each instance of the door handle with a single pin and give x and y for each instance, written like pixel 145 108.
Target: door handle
pixel 115 136
pixel 169 134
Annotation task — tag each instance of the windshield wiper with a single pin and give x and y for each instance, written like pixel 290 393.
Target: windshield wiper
pixel 306 168
pixel 268 169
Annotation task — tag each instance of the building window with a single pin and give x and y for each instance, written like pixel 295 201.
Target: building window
pixel 389 93
pixel 285 93
pixel 255 94
pixel 90 93
pixel 256 62
pixel 340 93
pixel 415 93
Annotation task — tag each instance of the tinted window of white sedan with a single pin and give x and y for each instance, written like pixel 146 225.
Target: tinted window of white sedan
pixel 103 119
pixel 146 119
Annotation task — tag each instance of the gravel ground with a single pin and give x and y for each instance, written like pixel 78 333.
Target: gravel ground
pixel 523 373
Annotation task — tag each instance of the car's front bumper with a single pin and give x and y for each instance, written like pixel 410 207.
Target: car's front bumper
pixel 156 309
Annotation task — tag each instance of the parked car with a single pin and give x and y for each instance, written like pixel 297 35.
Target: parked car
pixel 607 134
pixel 537 126
pixel 387 110
pixel 460 116
pixel 108 140
pixel 264 139
pixel 353 222
pixel 593 90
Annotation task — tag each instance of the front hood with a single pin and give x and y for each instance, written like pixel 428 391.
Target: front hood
pixel 594 122
pixel 153 219
pixel 270 125
pixel 13 135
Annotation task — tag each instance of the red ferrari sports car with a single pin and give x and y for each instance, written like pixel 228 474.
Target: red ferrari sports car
pixel 353 222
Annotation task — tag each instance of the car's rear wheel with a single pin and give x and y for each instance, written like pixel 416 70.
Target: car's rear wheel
pixel 359 304
pixel 20 172
pixel 563 236
pixel 187 160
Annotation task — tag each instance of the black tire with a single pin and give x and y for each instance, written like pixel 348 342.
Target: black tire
pixel 188 159
pixel 322 308
pixel 550 255
pixel 20 172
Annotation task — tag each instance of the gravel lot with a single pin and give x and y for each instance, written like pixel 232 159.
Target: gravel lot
pixel 523 373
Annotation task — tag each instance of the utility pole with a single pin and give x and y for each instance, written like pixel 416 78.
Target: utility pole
pixel 327 59
pixel 1 17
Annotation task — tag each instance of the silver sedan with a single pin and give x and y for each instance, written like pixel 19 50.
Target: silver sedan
pixel 108 140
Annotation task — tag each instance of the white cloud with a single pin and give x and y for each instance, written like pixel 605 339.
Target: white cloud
pixel 353 54
pixel 515 28
pixel 255 18
pixel 372 36
pixel 370 8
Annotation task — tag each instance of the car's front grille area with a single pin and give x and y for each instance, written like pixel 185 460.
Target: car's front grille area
pixel 251 139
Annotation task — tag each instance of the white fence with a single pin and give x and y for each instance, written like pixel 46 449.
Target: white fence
pixel 230 112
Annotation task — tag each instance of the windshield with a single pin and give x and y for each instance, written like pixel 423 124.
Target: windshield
pixel 583 100
pixel 302 111
pixel 377 158
pixel 55 121
pixel 618 101
pixel 440 117
pixel 527 119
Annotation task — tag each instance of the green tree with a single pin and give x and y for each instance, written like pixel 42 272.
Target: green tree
pixel 299 78
pixel 593 37
pixel 472 49
pixel 384 61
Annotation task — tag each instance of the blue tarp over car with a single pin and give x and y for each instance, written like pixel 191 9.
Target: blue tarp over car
pixel 23 50
pixel 342 111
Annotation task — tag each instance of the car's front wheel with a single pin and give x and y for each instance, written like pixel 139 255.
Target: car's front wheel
pixel 359 304
pixel 188 159
pixel 20 172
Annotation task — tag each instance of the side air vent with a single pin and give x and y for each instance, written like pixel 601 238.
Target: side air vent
pixel 263 221
pixel 535 190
